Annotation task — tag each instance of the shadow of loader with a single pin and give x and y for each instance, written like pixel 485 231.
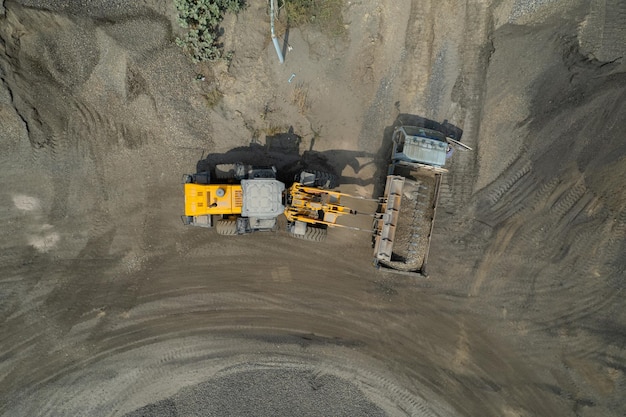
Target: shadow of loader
pixel 283 151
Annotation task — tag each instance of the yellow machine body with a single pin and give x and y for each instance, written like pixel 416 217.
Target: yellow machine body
pixel 314 205
pixel 207 199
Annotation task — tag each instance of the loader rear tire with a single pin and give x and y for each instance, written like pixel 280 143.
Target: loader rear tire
pixel 314 234
pixel 225 171
pixel 226 227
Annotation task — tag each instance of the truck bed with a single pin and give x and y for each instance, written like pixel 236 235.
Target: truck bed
pixel 406 221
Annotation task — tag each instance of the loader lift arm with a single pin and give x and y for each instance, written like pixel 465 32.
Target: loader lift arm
pixel 315 206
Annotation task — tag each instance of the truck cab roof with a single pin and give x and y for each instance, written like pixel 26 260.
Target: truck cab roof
pixel 419 144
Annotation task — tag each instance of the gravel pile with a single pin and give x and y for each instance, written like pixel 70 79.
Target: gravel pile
pixel 270 393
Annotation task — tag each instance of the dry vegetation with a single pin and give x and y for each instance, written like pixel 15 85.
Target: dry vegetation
pixel 300 98
pixel 325 14
pixel 213 97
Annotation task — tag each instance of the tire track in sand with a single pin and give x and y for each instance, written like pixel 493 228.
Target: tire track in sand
pixel 566 216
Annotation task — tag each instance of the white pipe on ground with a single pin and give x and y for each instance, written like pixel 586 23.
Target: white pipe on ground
pixel 274 39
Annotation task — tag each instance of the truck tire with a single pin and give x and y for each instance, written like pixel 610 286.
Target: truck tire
pixel 314 234
pixel 226 227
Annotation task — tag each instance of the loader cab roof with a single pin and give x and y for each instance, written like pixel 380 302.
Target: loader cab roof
pixel 262 198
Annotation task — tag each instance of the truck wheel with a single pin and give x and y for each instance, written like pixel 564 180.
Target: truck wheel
pixel 226 227
pixel 314 234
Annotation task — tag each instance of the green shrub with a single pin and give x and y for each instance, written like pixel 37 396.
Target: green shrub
pixel 201 18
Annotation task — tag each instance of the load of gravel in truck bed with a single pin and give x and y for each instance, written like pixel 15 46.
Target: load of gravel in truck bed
pixel 414 225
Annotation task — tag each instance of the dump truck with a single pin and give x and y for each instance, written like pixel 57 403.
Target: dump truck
pixel 235 199
pixel 405 217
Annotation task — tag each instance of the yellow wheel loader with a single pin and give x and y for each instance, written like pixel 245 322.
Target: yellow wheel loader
pixel 241 199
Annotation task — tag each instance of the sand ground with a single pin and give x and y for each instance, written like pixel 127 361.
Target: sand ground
pixel 110 306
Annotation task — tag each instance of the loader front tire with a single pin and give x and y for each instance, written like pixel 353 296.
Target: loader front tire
pixel 324 180
pixel 313 234
pixel 226 227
